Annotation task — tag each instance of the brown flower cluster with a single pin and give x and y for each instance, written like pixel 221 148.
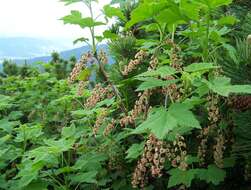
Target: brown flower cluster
pixel 78 68
pixel 172 90
pixel 141 106
pixel 153 63
pixel 152 160
pixel 103 57
pixel 175 57
pixel 240 102
pixel 81 87
pixel 139 58
pixel 109 127
pixel 98 94
pixel 176 153
pixel 99 120
pixel 214 118
pixel 219 150
pixel 213 109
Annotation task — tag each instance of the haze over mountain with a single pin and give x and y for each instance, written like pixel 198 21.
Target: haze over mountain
pixel 30 50
pixel 27 48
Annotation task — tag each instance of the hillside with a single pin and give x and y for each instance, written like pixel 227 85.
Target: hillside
pixel 27 47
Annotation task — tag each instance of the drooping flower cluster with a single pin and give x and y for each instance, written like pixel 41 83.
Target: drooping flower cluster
pixel 109 127
pixel 139 58
pixel 175 57
pixel 176 153
pixel 141 106
pixel 172 90
pixel 99 121
pixel 240 102
pixel 103 57
pixel 153 63
pixel 78 68
pixel 213 118
pixel 219 150
pixel 151 162
pixel 81 87
pixel 98 93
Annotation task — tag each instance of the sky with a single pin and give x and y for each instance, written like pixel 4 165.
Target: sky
pixel 40 19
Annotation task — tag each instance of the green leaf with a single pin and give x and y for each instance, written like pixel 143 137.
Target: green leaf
pixel 8 126
pixel 76 18
pixel 28 173
pixel 160 122
pixel 150 83
pixel 37 185
pixel 112 11
pixel 5 102
pixel 170 16
pixel 218 3
pixel 161 71
pixel 191 9
pixel 59 146
pixel 212 174
pixel 179 177
pixel 108 34
pixel 82 39
pixel 196 67
pixel 25 133
pixel 145 11
pixel 230 20
pixel 231 52
pixel 87 177
pixel 84 74
pixel 135 151
pixel 15 115
pixel 222 86
pixel 68 131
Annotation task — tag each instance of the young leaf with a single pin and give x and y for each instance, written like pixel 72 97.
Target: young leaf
pixel 179 177
pixel 112 11
pixel 196 67
pixel 134 151
pixel 76 18
pixel 230 20
pixel 222 86
pixel 161 71
pixel 150 83
pixel 82 39
pixel 146 11
pixel 212 174
pixel 217 3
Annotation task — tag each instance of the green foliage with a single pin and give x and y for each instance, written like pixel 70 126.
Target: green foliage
pixel 161 122
pixel 169 120
pixel 211 175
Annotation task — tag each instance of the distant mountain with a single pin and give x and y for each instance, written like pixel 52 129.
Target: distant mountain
pixel 30 50
pixel 27 48
pixel 77 52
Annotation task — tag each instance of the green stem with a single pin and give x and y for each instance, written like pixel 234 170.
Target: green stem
pixel 206 48
pixel 92 30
